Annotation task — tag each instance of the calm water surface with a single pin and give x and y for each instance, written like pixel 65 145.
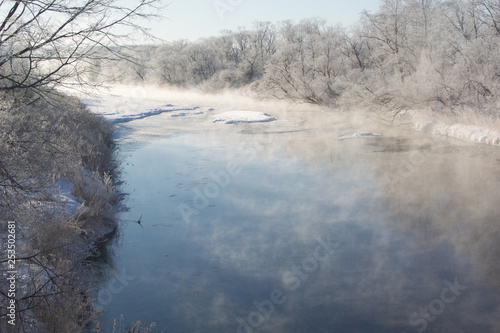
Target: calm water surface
pixel 293 232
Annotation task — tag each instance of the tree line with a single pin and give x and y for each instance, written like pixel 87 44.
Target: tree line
pixel 435 54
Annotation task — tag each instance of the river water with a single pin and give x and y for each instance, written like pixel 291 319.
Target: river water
pixel 302 227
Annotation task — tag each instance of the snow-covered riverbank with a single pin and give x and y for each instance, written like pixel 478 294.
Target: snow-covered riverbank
pixel 56 188
pixel 461 131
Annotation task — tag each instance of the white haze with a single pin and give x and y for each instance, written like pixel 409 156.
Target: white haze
pixel 124 103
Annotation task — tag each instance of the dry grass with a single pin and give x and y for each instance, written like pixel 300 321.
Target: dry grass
pixel 43 141
pixel 119 327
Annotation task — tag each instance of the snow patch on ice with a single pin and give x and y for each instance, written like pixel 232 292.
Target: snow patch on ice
pixel 124 105
pixel 186 114
pixel 125 118
pixel 359 135
pixel 237 117
pixel 461 131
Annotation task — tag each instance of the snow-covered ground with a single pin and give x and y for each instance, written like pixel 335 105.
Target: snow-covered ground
pixel 119 108
pixel 71 205
pixel 122 104
pixel 460 131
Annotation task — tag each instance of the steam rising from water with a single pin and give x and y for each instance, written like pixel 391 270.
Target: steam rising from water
pixel 394 201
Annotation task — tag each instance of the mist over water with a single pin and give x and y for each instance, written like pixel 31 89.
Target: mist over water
pixel 320 221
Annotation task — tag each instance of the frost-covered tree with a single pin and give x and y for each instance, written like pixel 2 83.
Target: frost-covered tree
pixel 244 53
pixel 388 32
pixel 307 64
pixel 202 60
pixel 435 54
pixel 47 41
pixel 464 17
pixel 170 62
pixel 490 10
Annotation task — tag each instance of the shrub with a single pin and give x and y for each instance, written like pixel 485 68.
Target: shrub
pixel 56 161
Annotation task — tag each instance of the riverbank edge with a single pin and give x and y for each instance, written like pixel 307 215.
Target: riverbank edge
pixel 62 221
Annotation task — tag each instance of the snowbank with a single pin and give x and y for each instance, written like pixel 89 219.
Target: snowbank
pixel 117 117
pixel 123 104
pixel 124 118
pixel 237 117
pixel 461 132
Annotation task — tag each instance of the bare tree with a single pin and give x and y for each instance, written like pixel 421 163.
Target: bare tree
pixel 44 42
pixel 388 26
pixel 491 14
pixel 465 18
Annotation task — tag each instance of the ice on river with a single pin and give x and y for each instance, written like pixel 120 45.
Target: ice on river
pixel 237 117
pixel 359 135
pixel 123 109
pixel 122 104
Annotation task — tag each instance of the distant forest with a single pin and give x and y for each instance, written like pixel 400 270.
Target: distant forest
pixel 410 54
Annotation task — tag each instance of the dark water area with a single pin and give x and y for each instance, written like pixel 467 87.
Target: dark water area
pixel 291 232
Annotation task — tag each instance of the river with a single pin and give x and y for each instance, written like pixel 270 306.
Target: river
pixel 311 223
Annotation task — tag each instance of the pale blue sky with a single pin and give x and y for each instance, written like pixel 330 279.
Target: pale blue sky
pixel 194 19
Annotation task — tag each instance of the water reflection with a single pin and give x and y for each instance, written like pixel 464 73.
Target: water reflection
pixel 412 225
